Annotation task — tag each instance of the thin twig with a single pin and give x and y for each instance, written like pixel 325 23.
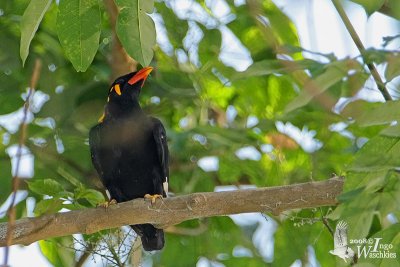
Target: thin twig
pixel 86 254
pixel 378 80
pixel 22 139
pixel 325 222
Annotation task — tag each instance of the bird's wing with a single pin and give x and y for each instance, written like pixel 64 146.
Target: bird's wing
pixel 94 143
pixel 160 138
pixel 340 237
pixel 104 159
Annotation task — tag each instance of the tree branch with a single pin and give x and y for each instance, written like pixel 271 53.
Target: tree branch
pixel 174 210
pixel 356 39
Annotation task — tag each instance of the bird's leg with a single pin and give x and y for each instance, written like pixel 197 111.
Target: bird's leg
pixel 108 203
pixel 153 197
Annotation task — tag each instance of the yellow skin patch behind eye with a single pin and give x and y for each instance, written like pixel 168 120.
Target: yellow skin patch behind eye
pixel 117 89
pixel 101 119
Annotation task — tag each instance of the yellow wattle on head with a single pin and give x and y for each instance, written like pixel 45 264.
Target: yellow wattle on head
pixel 117 89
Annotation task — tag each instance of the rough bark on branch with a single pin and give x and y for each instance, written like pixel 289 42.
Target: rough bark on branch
pixel 174 210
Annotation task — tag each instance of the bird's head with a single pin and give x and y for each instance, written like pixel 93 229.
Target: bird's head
pixel 128 87
pixel 124 93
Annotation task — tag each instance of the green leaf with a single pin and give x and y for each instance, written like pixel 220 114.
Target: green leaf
pixel 48 187
pixel 383 114
pixel 92 196
pixel 322 244
pixel 58 251
pixel 333 74
pixel 392 131
pixel 353 84
pixel 393 67
pixel 176 28
pixel 221 236
pixel 5 178
pixel 348 196
pixel 377 56
pixel 390 236
pixel 78 28
pixel 371 181
pixel 227 171
pixel 379 153
pixel 283 27
pixel 30 21
pixel 48 206
pixel 136 30
pixel 210 45
pixel 393 8
pixel 267 67
pixel 370 6
pixel 358 214
pixel 293 238
pixel 50 251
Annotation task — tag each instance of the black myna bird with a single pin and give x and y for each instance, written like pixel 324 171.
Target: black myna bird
pixel 129 151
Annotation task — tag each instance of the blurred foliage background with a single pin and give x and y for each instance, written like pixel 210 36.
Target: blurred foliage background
pixel 278 118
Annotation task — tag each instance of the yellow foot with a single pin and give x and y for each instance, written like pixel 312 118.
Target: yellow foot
pixel 152 197
pixel 107 203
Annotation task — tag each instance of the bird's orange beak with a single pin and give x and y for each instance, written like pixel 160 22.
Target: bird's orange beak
pixel 140 75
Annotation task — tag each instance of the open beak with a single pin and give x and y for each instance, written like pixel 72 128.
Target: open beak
pixel 140 75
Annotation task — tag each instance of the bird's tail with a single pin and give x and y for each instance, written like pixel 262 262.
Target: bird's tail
pixel 152 238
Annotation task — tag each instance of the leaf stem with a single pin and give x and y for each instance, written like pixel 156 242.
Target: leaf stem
pixel 356 39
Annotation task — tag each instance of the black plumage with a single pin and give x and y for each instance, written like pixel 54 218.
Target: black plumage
pixel 129 151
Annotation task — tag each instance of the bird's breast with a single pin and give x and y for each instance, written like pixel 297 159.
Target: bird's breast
pixel 133 133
